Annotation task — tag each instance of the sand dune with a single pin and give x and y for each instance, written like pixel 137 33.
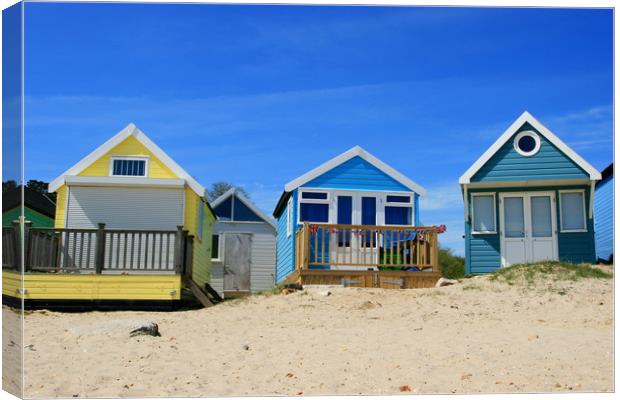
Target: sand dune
pixel 479 336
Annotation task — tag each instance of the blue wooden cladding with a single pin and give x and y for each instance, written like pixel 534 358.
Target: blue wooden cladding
pixel 604 216
pixel 531 166
pixel 356 173
pixel 548 163
pixel 353 190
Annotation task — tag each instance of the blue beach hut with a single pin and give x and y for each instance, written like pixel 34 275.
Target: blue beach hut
pixel 347 201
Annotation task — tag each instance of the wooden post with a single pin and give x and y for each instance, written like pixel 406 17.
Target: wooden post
pixel 435 252
pixel 178 250
pixel 17 245
pixel 307 245
pixel 100 248
pixel 188 259
pixel 27 226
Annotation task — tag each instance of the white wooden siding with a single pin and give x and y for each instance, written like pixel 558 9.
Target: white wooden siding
pixel 125 207
pixel 263 255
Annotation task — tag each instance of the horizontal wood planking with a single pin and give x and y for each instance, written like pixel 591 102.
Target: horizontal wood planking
pixel 356 173
pixel 92 287
pixel 549 163
pixel 369 279
pixel 604 218
pixel 285 248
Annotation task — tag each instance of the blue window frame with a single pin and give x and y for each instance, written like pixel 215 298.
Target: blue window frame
pixel 128 167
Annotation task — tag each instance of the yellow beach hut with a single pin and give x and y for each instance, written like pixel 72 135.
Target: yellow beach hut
pixel 131 226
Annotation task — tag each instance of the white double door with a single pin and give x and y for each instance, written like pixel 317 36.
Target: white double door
pixel 528 230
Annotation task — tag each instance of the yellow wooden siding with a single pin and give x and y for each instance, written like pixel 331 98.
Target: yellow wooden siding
pixel 191 210
pixel 129 147
pixel 61 203
pixel 92 287
pixel 201 268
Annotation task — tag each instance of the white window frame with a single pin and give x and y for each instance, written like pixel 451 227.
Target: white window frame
pixel 135 158
pixel 289 217
pixel 473 220
pixel 534 136
pixel 333 194
pixel 220 247
pixel 410 204
pixel 583 203
pixel 328 201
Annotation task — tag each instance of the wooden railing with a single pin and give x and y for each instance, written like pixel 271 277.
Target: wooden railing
pixel 70 250
pixel 363 247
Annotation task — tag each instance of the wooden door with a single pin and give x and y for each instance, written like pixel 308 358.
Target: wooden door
pixel 237 262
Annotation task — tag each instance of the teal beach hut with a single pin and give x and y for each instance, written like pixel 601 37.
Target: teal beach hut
pixel 528 198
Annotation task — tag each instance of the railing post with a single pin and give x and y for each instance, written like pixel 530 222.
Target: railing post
pixel 100 249
pixel 27 226
pixel 307 244
pixel 435 252
pixel 18 239
pixel 178 249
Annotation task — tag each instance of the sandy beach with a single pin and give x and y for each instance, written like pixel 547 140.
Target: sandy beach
pixel 477 336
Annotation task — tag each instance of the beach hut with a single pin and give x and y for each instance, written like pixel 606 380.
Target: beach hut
pixel 528 198
pixel 243 251
pixel 604 216
pixel 38 208
pixel 131 227
pixel 354 221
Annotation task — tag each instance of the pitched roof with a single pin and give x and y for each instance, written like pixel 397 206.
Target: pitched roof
pixel 32 199
pixel 356 151
pixel 526 117
pixel 129 130
pixel 233 191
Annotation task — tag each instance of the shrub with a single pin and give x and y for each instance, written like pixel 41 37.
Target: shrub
pixel 549 270
pixel 450 265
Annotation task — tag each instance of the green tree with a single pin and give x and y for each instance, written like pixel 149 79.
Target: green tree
pixel 9 185
pixel 451 265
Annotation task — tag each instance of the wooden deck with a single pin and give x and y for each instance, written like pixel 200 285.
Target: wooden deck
pixel 366 279
pixel 390 257
pixel 72 287
pixel 94 264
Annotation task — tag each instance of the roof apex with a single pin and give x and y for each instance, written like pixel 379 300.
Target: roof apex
pixel 526 117
pixel 130 130
pixel 346 156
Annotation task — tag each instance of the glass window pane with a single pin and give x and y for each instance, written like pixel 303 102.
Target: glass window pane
pixel 141 165
pixel 117 167
pixel 572 211
pixel 314 195
pixel 484 213
pixel 513 217
pixel 397 215
pixel 369 211
pixel 345 210
pixel 398 199
pixel 314 212
pixel 215 246
pixel 541 216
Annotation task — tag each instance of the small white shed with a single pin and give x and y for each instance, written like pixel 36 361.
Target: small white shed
pixel 244 247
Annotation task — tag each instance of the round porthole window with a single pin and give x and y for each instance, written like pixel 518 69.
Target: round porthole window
pixel 527 143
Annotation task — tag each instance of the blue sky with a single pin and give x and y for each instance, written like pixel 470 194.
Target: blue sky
pixel 258 95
